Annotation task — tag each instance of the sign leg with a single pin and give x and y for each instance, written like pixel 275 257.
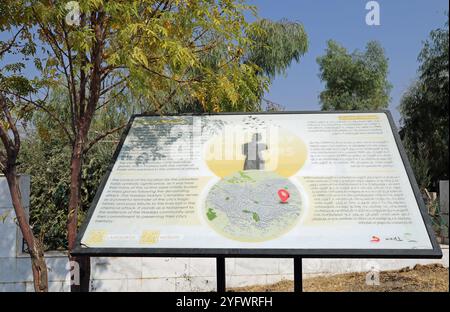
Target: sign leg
pixel 85 274
pixel 298 275
pixel 220 272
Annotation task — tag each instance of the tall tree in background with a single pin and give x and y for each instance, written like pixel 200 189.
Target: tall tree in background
pixel 14 113
pixel 425 115
pixel 354 81
pixel 273 46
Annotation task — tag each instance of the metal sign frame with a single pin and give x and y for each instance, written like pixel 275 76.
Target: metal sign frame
pixel 220 253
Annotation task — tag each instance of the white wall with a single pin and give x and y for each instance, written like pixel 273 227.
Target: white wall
pixel 443 202
pixel 160 274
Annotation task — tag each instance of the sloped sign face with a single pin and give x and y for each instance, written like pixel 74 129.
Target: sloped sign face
pixel 278 184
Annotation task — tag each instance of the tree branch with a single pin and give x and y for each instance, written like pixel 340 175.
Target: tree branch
pixel 102 136
pixel 110 99
pixel 181 81
pixel 60 54
pixel 11 42
pixel 109 88
pixel 3 160
pixel 12 147
pixel 71 83
pixel 45 109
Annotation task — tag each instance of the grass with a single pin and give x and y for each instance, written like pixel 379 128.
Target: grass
pixel 421 278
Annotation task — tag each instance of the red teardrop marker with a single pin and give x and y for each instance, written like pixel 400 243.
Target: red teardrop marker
pixel 284 195
pixel 375 239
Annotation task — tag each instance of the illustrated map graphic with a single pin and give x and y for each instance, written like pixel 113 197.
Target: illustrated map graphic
pixel 246 206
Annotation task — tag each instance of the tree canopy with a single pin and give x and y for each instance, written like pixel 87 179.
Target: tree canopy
pixel 354 81
pixel 96 51
pixel 425 115
pixel 275 45
pixel 272 47
pixel 133 57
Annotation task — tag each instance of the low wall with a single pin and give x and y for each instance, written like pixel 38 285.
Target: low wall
pixel 185 274
pixel 443 203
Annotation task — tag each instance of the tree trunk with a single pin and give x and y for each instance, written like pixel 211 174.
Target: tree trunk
pixel 35 248
pixel 39 268
pixel 74 197
pixel 83 263
pixel 82 116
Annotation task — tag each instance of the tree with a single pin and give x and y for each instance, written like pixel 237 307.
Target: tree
pixel 143 48
pixel 356 81
pixel 45 151
pixel 272 47
pixel 45 155
pixel 140 46
pixel 14 112
pixel 275 45
pixel 8 164
pixel 425 115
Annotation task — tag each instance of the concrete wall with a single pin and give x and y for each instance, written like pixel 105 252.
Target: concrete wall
pixel 160 274
pixel 15 266
pixel 443 204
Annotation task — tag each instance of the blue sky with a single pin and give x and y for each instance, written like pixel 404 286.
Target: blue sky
pixel 404 25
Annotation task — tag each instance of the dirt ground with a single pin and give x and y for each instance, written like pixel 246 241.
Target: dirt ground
pixel 433 277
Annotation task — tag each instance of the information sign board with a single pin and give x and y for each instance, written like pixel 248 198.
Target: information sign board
pixel 269 185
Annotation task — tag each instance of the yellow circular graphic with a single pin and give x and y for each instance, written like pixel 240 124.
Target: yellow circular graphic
pixel 277 149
